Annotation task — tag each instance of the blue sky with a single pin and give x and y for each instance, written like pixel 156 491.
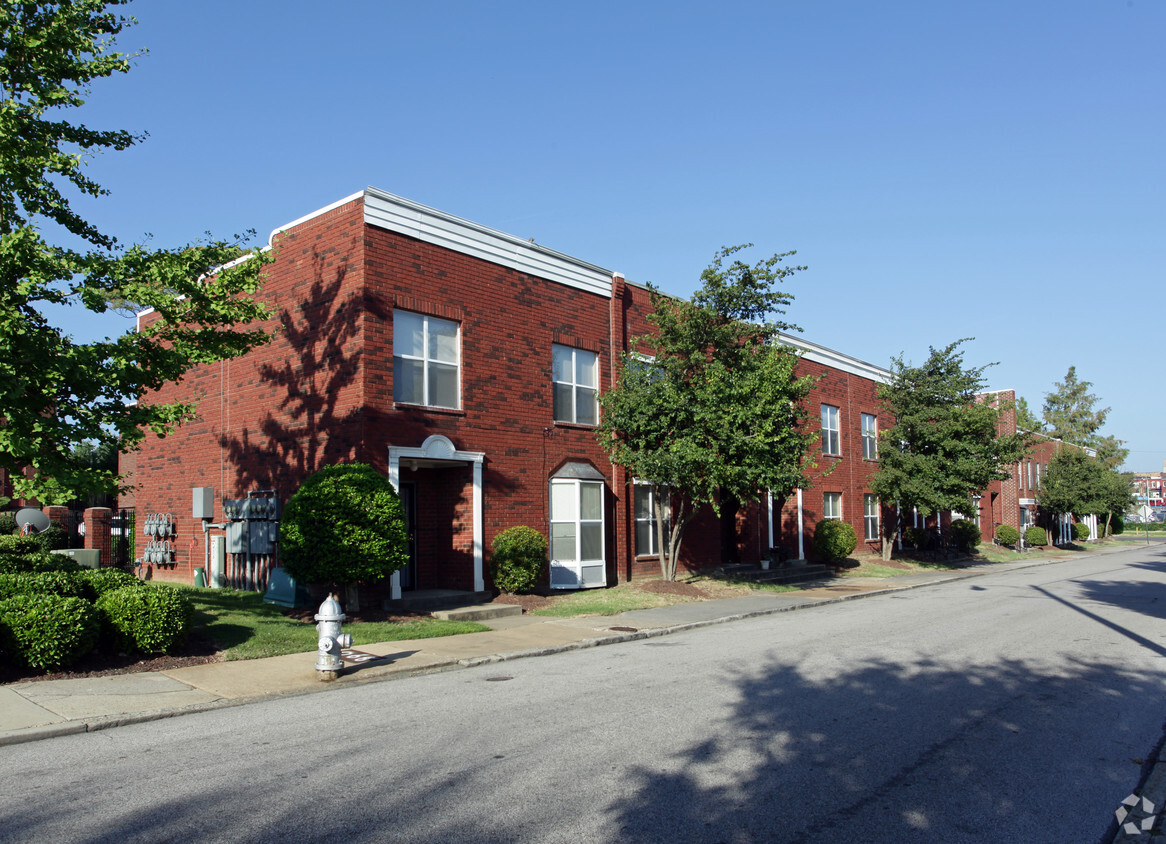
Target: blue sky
pixel 992 170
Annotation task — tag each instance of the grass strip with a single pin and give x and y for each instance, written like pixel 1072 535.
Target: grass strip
pixel 242 626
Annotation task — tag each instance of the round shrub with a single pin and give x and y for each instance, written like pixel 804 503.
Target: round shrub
pixel 146 618
pixel 834 539
pixel 344 524
pixel 47 631
pixel 519 559
pixel 1007 535
pixel 64 583
pixel 917 537
pixel 1035 536
pixel 965 535
pixel 100 581
pixel 1080 531
pixel 1116 525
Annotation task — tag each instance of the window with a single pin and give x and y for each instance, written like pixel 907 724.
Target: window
pixel 831 432
pixel 870 517
pixel 647 541
pixel 870 437
pixel 576 383
pixel 425 360
pixel 832 505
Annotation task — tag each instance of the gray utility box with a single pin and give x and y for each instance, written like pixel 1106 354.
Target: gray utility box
pixel 203 505
pixel 253 527
pixel 89 558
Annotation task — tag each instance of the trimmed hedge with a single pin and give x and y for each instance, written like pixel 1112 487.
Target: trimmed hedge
pixel 834 539
pixel 47 631
pixel 918 538
pixel 1038 537
pixel 1080 531
pixel 965 535
pixel 518 559
pixel 7 523
pixel 146 618
pixel 1007 535
pixel 100 581
pixel 67 584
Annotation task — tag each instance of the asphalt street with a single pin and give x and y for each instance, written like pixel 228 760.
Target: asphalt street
pixel 1017 706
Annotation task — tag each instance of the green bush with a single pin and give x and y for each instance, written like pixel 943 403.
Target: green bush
pixel 52 538
pixel 7 524
pixel 918 538
pixel 344 524
pixel 64 583
pixel 834 539
pixel 145 618
pixel 965 535
pixel 1080 531
pixel 47 631
pixel 519 559
pixel 1116 525
pixel 1035 536
pixel 100 581
pixel 1007 535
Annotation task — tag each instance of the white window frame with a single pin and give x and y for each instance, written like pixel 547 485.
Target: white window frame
pixel 427 359
pixel 870 436
pixel 572 570
pixel 831 431
pixel 577 387
pixel 870 517
pixel 831 505
pixel 651 491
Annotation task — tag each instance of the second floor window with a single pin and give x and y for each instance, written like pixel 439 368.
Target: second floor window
pixel 870 437
pixel 831 431
pixel 575 373
pixel 426 360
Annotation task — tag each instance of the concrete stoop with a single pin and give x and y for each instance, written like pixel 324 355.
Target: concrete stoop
pixel 428 600
pixel 482 612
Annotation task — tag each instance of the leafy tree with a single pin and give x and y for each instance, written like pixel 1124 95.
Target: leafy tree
pixel 344 524
pixel 1084 486
pixel 1069 411
pixel 713 412
pixel 1111 451
pixel 1025 419
pixel 945 443
pixel 56 392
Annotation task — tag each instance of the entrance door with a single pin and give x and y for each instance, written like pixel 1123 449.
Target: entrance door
pixel 409 505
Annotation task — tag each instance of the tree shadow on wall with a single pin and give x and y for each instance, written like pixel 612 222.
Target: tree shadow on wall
pixel 308 427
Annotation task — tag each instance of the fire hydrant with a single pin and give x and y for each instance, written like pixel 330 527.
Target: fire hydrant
pixel 328 660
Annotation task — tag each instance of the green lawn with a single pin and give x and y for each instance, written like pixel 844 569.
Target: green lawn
pixel 244 627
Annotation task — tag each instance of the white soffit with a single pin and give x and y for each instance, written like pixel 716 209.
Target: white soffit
pixel 820 354
pixel 403 216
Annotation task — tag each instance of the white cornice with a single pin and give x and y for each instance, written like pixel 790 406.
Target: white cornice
pixel 820 354
pixel 394 213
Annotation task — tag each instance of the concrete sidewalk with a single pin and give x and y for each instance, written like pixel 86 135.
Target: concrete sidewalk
pixel 33 710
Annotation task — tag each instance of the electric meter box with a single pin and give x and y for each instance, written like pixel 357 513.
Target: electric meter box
pixel 204 502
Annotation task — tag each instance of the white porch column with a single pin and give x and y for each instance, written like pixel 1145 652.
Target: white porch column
pixel 769 511
pixel 801 529
pixel 395 480
pixel 479 579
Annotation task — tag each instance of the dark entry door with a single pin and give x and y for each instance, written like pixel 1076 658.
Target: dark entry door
pixel 409 505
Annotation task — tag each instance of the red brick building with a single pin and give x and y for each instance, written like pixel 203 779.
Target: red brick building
pixel 1015 501
pixel 464 363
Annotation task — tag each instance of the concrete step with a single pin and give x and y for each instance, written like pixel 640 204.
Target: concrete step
pixel 427 600
pixel 482 612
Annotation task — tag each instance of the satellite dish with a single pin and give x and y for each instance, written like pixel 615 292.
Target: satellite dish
pixel 32 521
